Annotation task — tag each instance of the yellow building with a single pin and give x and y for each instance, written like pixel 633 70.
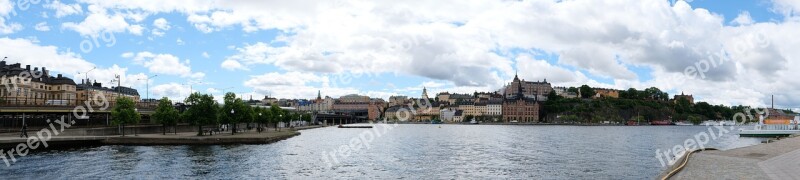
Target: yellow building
pixel 34 87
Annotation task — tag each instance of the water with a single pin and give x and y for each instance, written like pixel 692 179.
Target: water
pixel 403 152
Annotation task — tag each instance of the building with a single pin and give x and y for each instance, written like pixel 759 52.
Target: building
pixel 398 100
pixel 354 98
pixel 94 91
pixel 424 93
pixel 456 98
pixel 605 93
pixel 563 92
pixel 447 114
pixel 269 101
pixel 519 108
pixel 494 108
pixel 443 97
pixel 34 87
pixel 536 90
pixel 689 98
pixel 458 116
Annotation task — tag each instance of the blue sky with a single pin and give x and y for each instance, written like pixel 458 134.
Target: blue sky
pixel 377 48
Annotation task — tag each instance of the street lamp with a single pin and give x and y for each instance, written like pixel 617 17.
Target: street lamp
pixel 148 84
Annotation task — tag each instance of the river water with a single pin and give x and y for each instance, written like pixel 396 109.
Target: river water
pixel 391 152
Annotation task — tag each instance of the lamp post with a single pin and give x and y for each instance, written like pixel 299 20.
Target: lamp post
pixel 86 75
pixel 134 129
pixel 259 122
pixel 147 82
pixel 234 124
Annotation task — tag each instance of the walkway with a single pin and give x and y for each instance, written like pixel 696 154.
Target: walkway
pixel 776 160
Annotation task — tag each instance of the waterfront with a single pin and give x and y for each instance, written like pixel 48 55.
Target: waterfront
pixel 404 152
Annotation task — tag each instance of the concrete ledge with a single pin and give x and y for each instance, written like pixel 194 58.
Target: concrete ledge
pixel 198 140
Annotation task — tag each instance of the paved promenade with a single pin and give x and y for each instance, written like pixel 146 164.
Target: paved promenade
pixel 776 160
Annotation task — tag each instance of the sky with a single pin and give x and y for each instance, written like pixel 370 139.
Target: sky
pixel 722 52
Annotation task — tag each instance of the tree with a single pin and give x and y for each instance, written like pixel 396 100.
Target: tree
pixel 277 115
pixel 586 91
pixel 202 111
pixel 468 118
pixel 264 116
pixel 235 111
pixel 165 114
pixel 124 112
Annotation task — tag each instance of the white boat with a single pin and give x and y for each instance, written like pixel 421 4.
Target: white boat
pixel 771 130
pixel 683 123
pixel 473 121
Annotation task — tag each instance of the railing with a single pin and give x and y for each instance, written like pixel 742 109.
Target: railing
pixel 777 127
pixel 16 102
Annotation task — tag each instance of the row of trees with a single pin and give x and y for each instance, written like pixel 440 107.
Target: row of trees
pixel 205 111
pixel 633 104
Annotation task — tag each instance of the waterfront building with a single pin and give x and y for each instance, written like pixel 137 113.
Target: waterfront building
pixel 447 114
pixel 536 90
pixel 34 87
pixel 519 108
pixel 494 107
pixel 458 116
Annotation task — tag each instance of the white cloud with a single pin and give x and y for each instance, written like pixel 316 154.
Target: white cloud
pixel 62 10
pixel 164 64
pixel 743 19
pixel 7 10
pixel 205 55
pixel 161 25
pixel 99 21
pixel 233 65
pixel 42 26
pixel 174 91
pixel 180 42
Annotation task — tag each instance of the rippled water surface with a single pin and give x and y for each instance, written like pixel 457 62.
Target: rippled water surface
pixel 402 152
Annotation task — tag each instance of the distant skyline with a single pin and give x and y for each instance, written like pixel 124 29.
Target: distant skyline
pixel 294 49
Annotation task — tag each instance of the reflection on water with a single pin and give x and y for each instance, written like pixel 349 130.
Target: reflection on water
pixel 406 151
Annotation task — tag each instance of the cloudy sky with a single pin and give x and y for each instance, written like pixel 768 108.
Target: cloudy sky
pixel 723 52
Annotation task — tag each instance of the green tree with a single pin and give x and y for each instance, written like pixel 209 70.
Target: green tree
pixel 166 114
pixel 263 116
pixel 277 115
pixel 586 91
pixel 468 118
pixel 235 111
pixel 124 112
pixel 202 111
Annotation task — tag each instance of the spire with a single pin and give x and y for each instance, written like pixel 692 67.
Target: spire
pixel 519 90
pixel 516 78
pixel 319 94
